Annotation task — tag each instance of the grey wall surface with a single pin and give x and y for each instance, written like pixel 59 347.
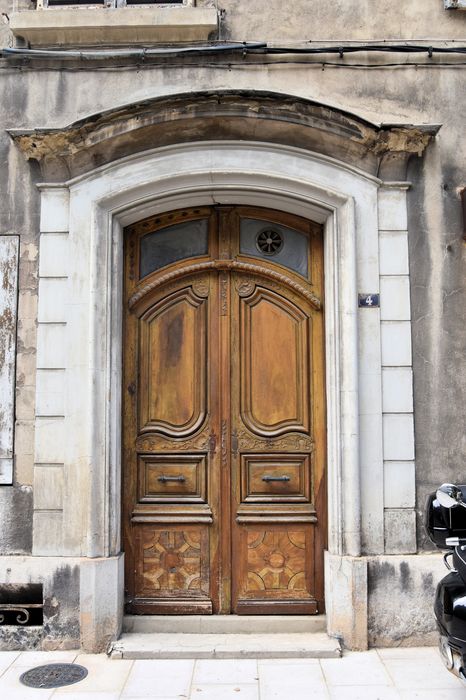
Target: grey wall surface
pixel 55 94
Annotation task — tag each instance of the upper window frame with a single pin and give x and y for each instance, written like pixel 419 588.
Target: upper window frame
pixel 111 4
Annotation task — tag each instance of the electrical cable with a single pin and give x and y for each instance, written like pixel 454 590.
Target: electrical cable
pixel 246 48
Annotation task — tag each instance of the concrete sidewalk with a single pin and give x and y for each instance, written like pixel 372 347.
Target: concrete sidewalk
pixel 382 674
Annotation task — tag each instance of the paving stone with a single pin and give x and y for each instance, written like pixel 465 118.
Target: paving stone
pixel 39 658
pixel 225 692
pixel 356 669
pixel 7 658
pixel 12 689
pixel 364 692
pixel 158 678
pixel 295 681
pixel 409 674
pixel 103 676
pixel 225 671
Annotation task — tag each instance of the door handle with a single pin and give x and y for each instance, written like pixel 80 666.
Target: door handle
pixel 164 478
pixel 275 478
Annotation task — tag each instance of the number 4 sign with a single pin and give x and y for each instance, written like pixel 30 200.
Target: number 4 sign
pixel 369 301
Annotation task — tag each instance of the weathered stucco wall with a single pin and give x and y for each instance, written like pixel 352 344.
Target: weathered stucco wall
pixel 55 94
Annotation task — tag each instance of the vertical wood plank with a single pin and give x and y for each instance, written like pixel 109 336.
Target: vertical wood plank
pixel 9 257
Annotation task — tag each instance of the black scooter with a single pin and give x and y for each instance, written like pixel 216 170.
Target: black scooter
pixel 446 525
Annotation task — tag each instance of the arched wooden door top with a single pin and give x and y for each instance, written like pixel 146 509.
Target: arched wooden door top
pixel 221 255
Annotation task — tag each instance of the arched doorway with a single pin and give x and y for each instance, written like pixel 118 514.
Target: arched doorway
pixel 224 506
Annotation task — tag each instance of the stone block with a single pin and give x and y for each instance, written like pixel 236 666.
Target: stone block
pixel 101 602
pixel 400 531
pixel 49 441
pixel 47 533
pixel 24 468
pixel 392 210
pixel 51 350
pixel 50 388
pixel 397 390
pixel 54 210
pixel 393 253
pixel 346 599
pixel 27 304
pixel 25 402
pixel 396 343
pixel 399 485
pixel 53 260
pixel 24 437
pixel 395 304
pixel 398 437
pixel 400 594
pixel 48 487
pixel 52 297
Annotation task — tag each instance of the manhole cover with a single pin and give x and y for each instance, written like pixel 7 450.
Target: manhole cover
pixel 53 675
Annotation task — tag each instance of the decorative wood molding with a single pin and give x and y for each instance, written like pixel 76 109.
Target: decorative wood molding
pixel 294 441
pixel 220 265
pixel 149 443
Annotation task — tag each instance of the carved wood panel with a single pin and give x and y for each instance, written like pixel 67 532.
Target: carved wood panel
pixel 173 365
pixel 173 561
pixel 275 392
pixel 276 561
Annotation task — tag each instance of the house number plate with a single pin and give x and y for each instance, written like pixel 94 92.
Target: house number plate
pixel 369 301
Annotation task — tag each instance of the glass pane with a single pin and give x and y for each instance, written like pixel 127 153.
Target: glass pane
pixel 168 245
pixel 276 243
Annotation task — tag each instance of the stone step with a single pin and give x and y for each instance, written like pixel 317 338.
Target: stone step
pixel 224 624
pixel 225 646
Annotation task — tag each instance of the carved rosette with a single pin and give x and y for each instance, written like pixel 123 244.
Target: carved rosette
pixel 276 561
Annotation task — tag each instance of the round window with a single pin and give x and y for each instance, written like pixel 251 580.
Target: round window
pixel 269 241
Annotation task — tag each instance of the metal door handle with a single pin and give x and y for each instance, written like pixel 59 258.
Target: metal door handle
pixel 164 478
pixel 275 478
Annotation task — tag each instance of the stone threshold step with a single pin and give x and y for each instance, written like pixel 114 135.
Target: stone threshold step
pixel 224 624
pixel 225 646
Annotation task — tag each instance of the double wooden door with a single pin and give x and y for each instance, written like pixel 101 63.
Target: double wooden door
pixel 224 413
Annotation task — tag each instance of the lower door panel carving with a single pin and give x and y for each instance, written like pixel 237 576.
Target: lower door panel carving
pixel 275 570
pixel 174 573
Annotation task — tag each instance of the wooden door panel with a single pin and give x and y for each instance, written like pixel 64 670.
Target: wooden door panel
pixel 173 362
pixel 274 364
pixel 274 446
pixel 171 469
pixel 276 570
pixel 281 478
pixel 172 478
pixel 173 569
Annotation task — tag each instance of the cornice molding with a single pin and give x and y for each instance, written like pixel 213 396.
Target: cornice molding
pixel 101 138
